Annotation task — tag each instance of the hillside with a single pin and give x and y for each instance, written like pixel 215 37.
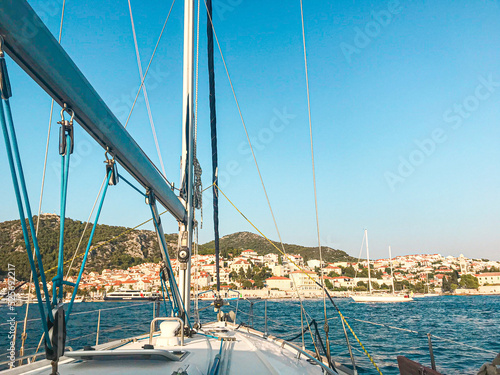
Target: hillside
pixel 247 240
pixel 138 246
pixel 135 247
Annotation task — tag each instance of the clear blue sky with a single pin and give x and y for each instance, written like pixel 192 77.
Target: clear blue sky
pixel 405 108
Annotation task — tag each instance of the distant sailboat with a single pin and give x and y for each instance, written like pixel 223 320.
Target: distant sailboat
pixel 381 297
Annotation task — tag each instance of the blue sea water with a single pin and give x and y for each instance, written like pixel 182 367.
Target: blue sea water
pixel 472 324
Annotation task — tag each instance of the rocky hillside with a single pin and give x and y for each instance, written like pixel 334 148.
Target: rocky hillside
pixel 135 247
pixel 245 240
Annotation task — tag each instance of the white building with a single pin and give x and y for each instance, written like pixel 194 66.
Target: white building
pixel 488 278
pixel 241 263
pixel 279 282
pixel 303 280
pixel 249 253
pixel 279 270
pixel 341 281
pixel 313 263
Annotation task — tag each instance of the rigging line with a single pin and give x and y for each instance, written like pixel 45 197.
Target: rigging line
pixel 249 142
pixel 244 126
pixel 24 335
pixel 144 90
pixel 149 65
pixel 85 228
pixel 314 173
pixel 281 251
pixel 213 131
pixel 359 258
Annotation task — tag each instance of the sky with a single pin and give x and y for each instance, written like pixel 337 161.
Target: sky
pixel 405 104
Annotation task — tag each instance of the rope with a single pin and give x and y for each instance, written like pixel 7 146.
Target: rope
pixel 163 288
pixel 131 185
pixel 149 65
pixel 58 280
pixel 422 334
pixel 251 147
pixel 13 154
pixel 314 178
pixel 24 335
pixel 84 261
pixel 145 91
pixel 213 133
pixel 176 299
pixel 333 303
pixel 245 128
pixel 85 228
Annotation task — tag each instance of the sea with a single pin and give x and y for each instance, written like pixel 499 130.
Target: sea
pixel 465 330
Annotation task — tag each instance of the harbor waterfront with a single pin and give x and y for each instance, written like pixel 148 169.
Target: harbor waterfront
pixel 464 329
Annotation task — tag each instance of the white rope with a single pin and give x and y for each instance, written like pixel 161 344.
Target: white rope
pixel 144 90
pixel 359 258
pixel 312 157
pixel 86 225
pixel 149 65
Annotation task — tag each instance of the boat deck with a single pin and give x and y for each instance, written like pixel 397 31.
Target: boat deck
pixel 239 351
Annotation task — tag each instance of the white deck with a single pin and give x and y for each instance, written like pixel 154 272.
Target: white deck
pixel 245 352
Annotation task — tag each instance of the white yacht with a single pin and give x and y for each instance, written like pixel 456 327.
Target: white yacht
pixel 131 295
pixel 372 297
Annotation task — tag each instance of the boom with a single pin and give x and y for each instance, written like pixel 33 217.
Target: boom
pixel 33 47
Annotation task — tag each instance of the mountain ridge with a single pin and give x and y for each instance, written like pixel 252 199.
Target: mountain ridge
pixel 134 247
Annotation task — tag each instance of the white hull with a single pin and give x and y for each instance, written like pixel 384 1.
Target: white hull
pixel 381 298
pixel 244 351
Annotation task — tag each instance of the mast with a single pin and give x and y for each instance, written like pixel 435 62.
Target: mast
pixel 187 170
pixel 368 258
pixel 392 272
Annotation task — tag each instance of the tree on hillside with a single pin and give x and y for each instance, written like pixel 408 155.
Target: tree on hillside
pixel 469 282
pixel 241 274
pixel 247 284
pixel 349 271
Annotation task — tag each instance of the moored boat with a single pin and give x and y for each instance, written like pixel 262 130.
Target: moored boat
pixel 131 295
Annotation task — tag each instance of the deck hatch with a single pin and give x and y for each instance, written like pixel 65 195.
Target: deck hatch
pixel 132 354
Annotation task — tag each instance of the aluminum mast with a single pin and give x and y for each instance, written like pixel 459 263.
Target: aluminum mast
pixel 368 259
pixel 187 170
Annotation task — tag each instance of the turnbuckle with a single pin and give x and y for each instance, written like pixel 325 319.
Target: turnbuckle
pixel 111 166
pixel 66 129
pixel 5 90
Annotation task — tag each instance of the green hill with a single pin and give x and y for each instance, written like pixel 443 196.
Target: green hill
pixel 245 240
pixel 135 247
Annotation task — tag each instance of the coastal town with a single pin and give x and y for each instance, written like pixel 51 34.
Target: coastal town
pixel 275 276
